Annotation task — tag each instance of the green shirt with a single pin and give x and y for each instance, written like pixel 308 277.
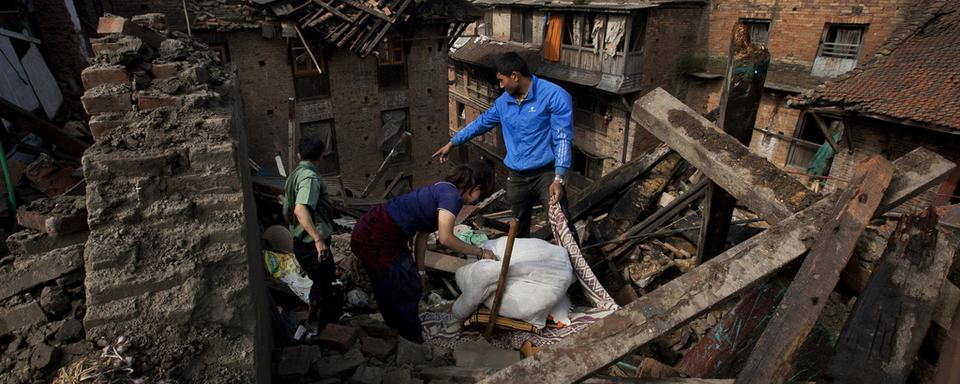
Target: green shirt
pixel 303 186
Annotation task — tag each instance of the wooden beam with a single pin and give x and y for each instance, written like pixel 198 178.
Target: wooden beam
pixel 753 180
pixel 393 184
pixel 333 10
pixel 739 102
pixel 370 11
pixel 826 131
pixel 892 316
pixel 772 359
pixel 610 185
pixel 26 120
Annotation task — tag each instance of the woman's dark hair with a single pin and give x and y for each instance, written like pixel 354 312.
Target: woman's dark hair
pixel 472 174
pixel 311 148
pixel 511 62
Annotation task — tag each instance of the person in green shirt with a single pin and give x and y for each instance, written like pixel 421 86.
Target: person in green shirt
pixel 307 209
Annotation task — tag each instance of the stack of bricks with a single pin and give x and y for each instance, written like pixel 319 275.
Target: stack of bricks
pixel 173 257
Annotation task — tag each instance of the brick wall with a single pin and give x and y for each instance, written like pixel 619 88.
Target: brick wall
pixel 892 141
pixel 796 27
pixel 671 35
pixel 173 257
pixel 266 81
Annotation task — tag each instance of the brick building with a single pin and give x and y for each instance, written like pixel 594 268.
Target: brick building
pixel 606 54
pixel 905 97
pixel 809 42
pixel 360 104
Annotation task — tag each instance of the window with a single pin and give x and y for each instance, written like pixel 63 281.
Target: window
pixel 758 29
pixel 586 165
pixel 393 64
pixel 638 27
pixel 307 81
pixel 461 115
pixel 487 29
pixel 521 26
pixel 222 52
pixel 578 29
pixel 589 111
pixel 808 140
pixel 842 41
pixel 330 163
pixel 394 123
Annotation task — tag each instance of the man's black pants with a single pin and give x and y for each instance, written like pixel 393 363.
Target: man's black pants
pixel 323 274
pixel 524 189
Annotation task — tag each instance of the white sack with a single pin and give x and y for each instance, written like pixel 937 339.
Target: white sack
pixel 539 276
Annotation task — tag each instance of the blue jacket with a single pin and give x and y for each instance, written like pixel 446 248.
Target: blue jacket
pixel 537 132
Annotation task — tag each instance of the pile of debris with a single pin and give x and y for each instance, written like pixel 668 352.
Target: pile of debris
pixel 359 25
pixel 166 259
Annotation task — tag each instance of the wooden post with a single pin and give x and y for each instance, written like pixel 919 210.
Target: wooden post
pixel 771 361
pixel 293 133
pixel 636 203
pixel 386 191
pixel 502 282
pixel 742 90
pixel 892 316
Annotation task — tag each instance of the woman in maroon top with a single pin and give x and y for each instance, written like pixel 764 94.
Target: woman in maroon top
pixel 380 240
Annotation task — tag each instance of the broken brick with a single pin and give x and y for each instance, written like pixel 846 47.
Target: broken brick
pixel 338 337
pixel 93 77
pixel 165 70
pixel 33 242
pixel 103 123
pixel 148 101
pixel 112 24
pixel 53 224
pixel 21 316
pixel 106 100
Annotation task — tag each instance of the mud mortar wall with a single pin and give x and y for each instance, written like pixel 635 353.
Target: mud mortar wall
pixel 172 259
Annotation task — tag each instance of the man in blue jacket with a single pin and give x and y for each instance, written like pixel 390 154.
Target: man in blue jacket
pixel 536 118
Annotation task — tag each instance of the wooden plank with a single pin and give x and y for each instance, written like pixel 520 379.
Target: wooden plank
pixel 739 102
pixel 333 10
pixel 753 180
pixel 370 11
pixel 892 316
pixel 442 262
pixel 772 360
pixel 386 191
pixel 601 191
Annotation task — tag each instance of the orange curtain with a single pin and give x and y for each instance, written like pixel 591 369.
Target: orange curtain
pixel 551 43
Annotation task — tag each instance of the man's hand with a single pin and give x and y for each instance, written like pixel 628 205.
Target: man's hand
pixel 556 190
pixel 442 152
pixel 322 250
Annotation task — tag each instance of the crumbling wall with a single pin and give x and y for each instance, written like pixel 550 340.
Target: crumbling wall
pixel 173 258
